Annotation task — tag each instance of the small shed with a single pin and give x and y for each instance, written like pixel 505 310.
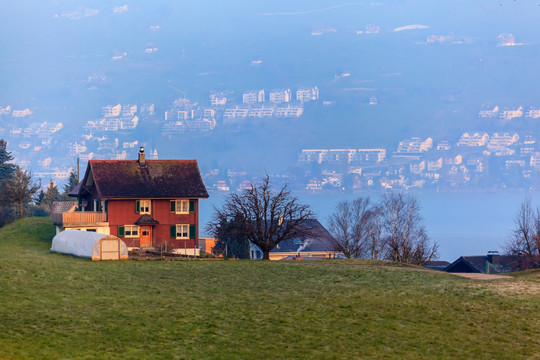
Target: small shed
pixel 91 245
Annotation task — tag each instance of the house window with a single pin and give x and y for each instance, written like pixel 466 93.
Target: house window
pixel 131 231
pixel 142 206
pixel 182 231
pixel 182 206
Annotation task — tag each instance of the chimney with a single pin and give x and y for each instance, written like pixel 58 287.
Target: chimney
pixel 493 257
pixel 142 158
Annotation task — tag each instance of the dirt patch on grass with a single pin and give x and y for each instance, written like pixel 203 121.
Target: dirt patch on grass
pixel 478 276
pixel 516 288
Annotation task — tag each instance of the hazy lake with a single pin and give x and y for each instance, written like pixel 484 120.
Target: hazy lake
pixel 464 223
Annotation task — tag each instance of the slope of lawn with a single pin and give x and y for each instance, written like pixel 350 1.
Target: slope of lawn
pixel 59 307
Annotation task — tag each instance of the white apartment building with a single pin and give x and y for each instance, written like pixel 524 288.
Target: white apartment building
pixel 218 99
pixel 535 160
pixel 305 95
pixel 201 124
pixel 235 113
pixel 529 139
pixel 414 145
pixel 21 113
pixel 533 113
pixel 435 165
pixel 262 112
pixel 476 139
pixel 77 148
pixel 527 150
pixel 456 160
pixel 280 96
pixel 129 110
pixel 130 144
pixel 350 156
pixel 42 129
pixel 314 185
pixel 443 145
pixel 111 110
pixel 510 114
pixel 489 113
pixel 127 123
pixel 253 96
pixel 501 141
pixel 367 155
pixel 289 111
pixel 5 110
pixel 511 163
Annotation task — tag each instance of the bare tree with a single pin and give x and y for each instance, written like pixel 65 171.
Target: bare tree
pixel 20 189
pixel 349 227
pixel 525 238
pixel 407 240
pixel 267 217
pixel 375 233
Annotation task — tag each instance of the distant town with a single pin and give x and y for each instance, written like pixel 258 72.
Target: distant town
pixel 476 160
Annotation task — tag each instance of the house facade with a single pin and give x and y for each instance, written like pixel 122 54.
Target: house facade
pixel 146 203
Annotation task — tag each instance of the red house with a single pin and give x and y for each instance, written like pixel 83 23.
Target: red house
pixel 147 203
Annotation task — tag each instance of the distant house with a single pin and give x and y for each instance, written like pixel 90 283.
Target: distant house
pixel 320 245
pixel 146 203
pixel 492 263
pixel 207 244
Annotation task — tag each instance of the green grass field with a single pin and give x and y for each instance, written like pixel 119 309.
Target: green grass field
pixel 59 307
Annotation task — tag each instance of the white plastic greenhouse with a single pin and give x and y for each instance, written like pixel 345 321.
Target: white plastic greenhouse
pixel 90 245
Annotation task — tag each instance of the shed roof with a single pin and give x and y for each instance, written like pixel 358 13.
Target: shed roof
pixel 158 179
pixel 83 243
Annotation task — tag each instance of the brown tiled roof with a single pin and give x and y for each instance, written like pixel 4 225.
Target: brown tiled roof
pixel 158 179
pixel 59 207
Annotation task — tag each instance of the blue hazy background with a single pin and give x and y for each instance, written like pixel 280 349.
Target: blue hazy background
pixel 56 58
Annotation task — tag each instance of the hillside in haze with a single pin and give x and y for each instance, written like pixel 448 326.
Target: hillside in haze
pixel 430 67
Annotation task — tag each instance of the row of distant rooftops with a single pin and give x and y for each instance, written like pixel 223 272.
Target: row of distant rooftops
pixel 509 114
pixel 274 96
pixel 416 144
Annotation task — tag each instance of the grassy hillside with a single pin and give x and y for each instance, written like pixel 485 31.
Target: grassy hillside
pixel 60 307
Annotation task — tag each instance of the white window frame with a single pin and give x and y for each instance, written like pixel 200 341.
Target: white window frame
pixel 181 207
pixel 182 229
pixel 145 206
pixel 134 231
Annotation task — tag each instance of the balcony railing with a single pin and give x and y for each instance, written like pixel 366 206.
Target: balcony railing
pixel 79 218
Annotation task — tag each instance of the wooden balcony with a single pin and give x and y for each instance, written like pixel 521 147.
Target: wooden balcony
pixel 80 218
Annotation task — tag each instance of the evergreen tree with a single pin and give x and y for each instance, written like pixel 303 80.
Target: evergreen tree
pixel 39 197
pixel 51 195
pixel 71 184
pixel 6 170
